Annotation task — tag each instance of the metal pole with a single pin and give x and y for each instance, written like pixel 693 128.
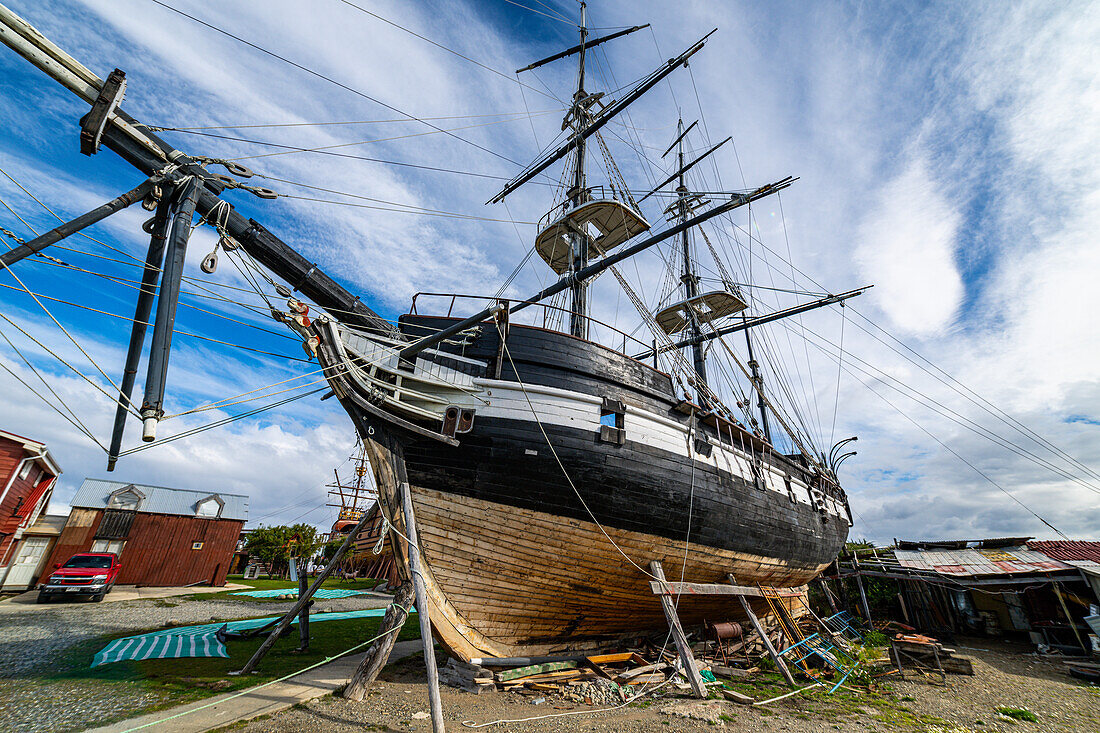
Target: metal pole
pixel 142 309
pixel 58 233
pixel 422 609
pixel 159 351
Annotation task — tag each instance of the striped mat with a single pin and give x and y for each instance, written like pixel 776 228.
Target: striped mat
pixel 321 593
pixel 200 641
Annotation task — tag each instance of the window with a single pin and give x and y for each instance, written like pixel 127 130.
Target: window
pixel 83 562
pixel 210 507
pixel 127 498
pixel 25 471
pixel 612 421
pixel 196 545
pixel 114 546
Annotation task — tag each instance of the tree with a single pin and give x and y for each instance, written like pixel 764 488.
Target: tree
pixel 276 545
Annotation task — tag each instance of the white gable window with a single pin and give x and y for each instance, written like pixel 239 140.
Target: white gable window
pixel 210 507
pixel 126 498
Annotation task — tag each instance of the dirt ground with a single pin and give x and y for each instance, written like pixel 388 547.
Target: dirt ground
pixel 1006 675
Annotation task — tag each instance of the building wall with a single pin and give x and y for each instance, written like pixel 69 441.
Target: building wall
pixel 11 455
pixel 158 547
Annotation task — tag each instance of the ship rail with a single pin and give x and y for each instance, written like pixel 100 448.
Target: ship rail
pixel 602 328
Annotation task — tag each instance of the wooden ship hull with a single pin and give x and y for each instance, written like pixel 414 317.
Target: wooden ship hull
pixel 535 523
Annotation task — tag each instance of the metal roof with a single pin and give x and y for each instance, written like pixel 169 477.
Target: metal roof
pixel 95 493
pixel 980 561
pixel 1067 550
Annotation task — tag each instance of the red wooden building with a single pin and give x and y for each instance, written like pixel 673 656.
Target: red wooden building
pixel 27 476
pixel 162 536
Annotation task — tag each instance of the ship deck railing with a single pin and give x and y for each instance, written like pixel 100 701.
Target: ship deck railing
pixel 605 334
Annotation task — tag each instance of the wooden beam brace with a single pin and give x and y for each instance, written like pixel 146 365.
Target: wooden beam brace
pixel 763 633
pixel 691 669
pixel 702 589
pixel 105 104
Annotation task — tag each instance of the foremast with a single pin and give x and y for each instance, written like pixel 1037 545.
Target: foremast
pixel 579 118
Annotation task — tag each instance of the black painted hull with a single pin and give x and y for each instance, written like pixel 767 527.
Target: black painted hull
pixel 535 527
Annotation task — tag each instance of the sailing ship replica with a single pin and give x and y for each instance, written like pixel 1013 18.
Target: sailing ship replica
pixel 546 470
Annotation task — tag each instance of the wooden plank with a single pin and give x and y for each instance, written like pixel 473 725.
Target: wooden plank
pixel 611 658
pixel 520 672
pixel 688 659
pixel 702 589
pixel 632 673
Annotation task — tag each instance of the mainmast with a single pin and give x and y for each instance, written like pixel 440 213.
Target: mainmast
pixel 688 277
pixel 578 116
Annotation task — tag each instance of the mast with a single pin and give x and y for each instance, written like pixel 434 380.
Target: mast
pixel 758 385
pixel 688 278
pixel 578 312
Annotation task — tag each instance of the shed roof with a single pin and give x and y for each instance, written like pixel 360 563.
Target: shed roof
pixel 95 493
pixel 1066 550
pixel 980 561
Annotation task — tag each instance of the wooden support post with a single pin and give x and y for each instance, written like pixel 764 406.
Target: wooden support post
pixel 379 652
pixel 422 608
pixel 691 669
pixel 824 585
pixel 862 592
pixel 302 601
pixel 1069 618
pixel 779 663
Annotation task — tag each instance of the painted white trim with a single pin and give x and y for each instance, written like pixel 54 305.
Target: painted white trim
pixel 563 408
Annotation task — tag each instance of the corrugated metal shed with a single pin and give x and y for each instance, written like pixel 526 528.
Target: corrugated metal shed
pixel 94 493
pixel 980 561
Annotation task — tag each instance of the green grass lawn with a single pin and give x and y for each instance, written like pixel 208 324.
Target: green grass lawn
pixel 187 679
pixel 265 584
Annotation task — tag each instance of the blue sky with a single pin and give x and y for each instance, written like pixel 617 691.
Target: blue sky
pixel 947 154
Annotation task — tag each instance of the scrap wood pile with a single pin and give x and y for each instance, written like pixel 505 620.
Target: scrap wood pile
pixel 723 652
pixel 597 679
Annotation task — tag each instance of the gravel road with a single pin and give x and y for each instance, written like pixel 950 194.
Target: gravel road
pixel 36 641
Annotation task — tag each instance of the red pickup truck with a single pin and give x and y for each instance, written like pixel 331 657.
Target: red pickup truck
pixel 85 574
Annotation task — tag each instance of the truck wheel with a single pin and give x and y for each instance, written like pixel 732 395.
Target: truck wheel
pixel 97 598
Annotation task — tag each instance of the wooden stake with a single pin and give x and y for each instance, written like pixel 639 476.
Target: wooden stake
pixel 303 600
pixel 767 641
pixel 379 652
pixel 691 670
pixel 421 605
pixel 303 617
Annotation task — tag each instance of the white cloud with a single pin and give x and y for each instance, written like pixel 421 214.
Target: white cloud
pixel 907 247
